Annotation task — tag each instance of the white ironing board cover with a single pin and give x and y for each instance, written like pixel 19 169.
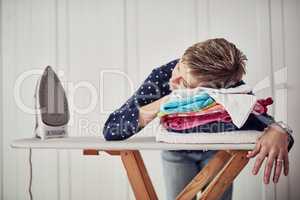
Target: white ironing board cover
pixel 209 142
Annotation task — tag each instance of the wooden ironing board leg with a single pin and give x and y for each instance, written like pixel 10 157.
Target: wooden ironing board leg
pixel 220 172
pixel 208 172
pixel 136 172
pixel 226 176
pixel 138 175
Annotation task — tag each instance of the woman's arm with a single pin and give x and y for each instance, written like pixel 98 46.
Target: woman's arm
pixel 148 112
pixel 141 107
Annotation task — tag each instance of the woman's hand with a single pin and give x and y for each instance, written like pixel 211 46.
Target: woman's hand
pixel 273 144
pixel 148 112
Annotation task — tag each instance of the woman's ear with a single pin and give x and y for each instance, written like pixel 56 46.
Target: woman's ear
pixel 175 79
pixel 175 82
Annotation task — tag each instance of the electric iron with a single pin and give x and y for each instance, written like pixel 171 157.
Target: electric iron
pixel 51 106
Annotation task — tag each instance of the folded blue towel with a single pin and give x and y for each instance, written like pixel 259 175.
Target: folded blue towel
pixel 188 104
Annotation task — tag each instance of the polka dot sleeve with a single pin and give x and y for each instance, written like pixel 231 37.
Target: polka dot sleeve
pixel 123 122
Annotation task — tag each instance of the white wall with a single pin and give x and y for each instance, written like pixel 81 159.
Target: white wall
pixel 83 38
pixel 292 52
pixel 1 108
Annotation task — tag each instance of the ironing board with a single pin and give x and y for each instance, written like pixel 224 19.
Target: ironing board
pixel 212 180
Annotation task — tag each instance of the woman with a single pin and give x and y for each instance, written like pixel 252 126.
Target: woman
pixel 214 63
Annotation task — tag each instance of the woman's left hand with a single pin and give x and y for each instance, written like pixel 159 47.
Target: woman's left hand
pixel 273 144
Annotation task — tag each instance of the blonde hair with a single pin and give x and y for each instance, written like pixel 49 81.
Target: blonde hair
pixel 217 62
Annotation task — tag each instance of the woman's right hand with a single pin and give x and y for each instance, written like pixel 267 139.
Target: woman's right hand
pixel 148 112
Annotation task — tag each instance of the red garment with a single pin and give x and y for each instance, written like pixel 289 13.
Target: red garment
pixel 261 105
pixel 182 123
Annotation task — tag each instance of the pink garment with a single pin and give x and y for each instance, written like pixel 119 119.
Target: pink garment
pixel 186 122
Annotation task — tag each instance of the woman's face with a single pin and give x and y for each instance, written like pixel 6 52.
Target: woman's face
pixel 182 77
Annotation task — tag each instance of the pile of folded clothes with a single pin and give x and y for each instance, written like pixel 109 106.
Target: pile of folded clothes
pixel 212 110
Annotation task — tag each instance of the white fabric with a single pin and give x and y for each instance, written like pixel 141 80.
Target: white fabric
pixel 236 101
pixel 229 137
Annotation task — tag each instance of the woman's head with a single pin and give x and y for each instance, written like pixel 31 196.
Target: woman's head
pixel 214 63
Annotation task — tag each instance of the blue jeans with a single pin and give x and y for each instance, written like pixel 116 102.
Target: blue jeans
pixel 180 167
